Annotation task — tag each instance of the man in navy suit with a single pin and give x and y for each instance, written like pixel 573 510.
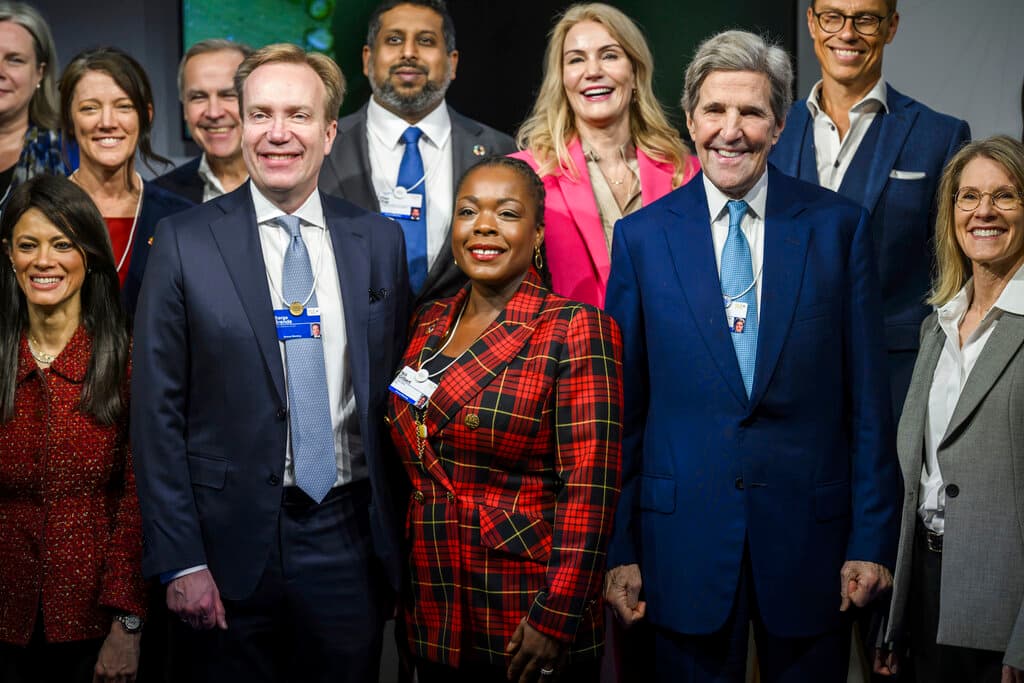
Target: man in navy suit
pixel 857 135
pixel 258 440
pixel 761 483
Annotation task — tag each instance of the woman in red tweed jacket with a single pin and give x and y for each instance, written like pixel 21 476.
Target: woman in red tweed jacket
pixel 513 457
pixel 71 588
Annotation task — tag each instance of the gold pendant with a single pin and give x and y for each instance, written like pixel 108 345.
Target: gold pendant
pixel 421 431
pixel 295 308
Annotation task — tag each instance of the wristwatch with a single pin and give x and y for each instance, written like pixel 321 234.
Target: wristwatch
pixel 132 623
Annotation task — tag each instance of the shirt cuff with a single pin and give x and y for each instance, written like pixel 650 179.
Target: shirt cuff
pixel 167 577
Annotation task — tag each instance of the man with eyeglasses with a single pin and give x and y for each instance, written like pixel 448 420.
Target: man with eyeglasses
pixel 859 136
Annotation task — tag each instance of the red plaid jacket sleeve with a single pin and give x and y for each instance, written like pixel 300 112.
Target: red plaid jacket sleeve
pixel 588 423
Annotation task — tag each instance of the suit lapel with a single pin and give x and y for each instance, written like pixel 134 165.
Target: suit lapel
pixel 655 178
pixel 785 251
pixel 487 357
pixel 352 164
pixel 693 256
pixel 237 237
pixel 352 256
pixel 915 409
pixel 895 127
pixel 1000 348
pixel 579 199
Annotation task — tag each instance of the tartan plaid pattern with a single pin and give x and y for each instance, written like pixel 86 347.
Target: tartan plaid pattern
pixel 512 501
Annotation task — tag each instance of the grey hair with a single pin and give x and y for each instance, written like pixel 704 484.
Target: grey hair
pixel 741 51
pixel 44 107
pixel 203 47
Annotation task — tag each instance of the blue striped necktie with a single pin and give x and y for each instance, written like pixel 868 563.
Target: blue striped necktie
pixel 309 410
pixel 737 277
pixel 412 177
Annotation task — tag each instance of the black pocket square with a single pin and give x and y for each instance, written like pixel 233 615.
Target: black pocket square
pixel 378 295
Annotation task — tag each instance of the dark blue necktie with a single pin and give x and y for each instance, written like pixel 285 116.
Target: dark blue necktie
pixel 737 278
pixel 309 408
pixel 411 177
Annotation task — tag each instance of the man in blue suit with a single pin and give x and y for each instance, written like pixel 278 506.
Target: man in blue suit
pixel 258 438
pixel 761 483
pixel 859 136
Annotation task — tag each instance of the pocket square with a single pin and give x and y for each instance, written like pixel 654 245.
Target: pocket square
pixel 907 175
pixel 378 295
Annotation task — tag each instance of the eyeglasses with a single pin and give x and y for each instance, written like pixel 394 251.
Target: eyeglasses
pixel 1003 198
pixel 831 21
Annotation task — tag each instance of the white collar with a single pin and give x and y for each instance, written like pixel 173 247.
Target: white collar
pixel 311 212
pixel 388 127
pixel 756 198
pixel 1011 299
pixel 877 96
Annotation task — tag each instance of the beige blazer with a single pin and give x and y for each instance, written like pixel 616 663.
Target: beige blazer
pixel 981 601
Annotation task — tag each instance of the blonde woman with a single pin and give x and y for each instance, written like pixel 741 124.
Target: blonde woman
pixel 600 141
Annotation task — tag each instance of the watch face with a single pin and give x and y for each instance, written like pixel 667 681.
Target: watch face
pixel 130 622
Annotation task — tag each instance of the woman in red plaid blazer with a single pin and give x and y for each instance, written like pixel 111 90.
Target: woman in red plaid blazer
pixel 513 458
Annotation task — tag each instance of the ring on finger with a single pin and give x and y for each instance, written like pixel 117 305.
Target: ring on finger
pixel 547 671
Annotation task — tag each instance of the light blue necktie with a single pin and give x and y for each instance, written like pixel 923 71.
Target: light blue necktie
pixel 309 408
pixel 738 275
pixel 411 177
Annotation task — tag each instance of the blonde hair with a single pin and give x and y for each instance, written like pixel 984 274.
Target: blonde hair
pixel 952 267
pixel 551 125
pixel 288 53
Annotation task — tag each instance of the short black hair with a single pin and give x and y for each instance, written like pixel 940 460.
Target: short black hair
pixel 537 193
pixel 439 6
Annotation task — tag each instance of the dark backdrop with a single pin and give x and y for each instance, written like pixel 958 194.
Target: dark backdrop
pixel 501 45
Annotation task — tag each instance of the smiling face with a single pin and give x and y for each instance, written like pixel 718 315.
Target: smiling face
pixel 597 76
pixel 848 58
pixel 49 267
pixel 105 121
pixel 991 238
pixel 409 66
pixel 733 129
pixel 211 103
pixel 19 71
pixel 285 134
pixel 494 229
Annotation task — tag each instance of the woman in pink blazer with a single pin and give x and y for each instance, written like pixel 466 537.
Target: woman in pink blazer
pixel 598 138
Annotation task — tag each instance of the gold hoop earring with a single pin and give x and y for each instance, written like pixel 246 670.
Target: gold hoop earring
pixel 538 260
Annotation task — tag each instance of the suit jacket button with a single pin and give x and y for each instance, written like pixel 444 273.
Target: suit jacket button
pixel 273 480
pixel 952 490
pixel 387 420
pixel 739 483
pixel 418 496
pixel 472 421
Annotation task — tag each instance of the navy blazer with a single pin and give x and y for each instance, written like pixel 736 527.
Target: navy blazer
pixel 209 403
pixel 913 142
pixel 805 470
pixel 157 204
pixel 184 181
pixel 346 173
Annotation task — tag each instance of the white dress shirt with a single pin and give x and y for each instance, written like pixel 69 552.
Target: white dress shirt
pixel 212 187
pixel 384 137
pixel 348 446
pixel 951 372
pixel 752 226
pixel 832 155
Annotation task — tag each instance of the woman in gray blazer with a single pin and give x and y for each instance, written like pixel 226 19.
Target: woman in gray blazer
pixel 958 594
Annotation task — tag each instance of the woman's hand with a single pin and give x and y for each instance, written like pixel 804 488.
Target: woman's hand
pixel 887 662
pixel 118 661
pixel 534 652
